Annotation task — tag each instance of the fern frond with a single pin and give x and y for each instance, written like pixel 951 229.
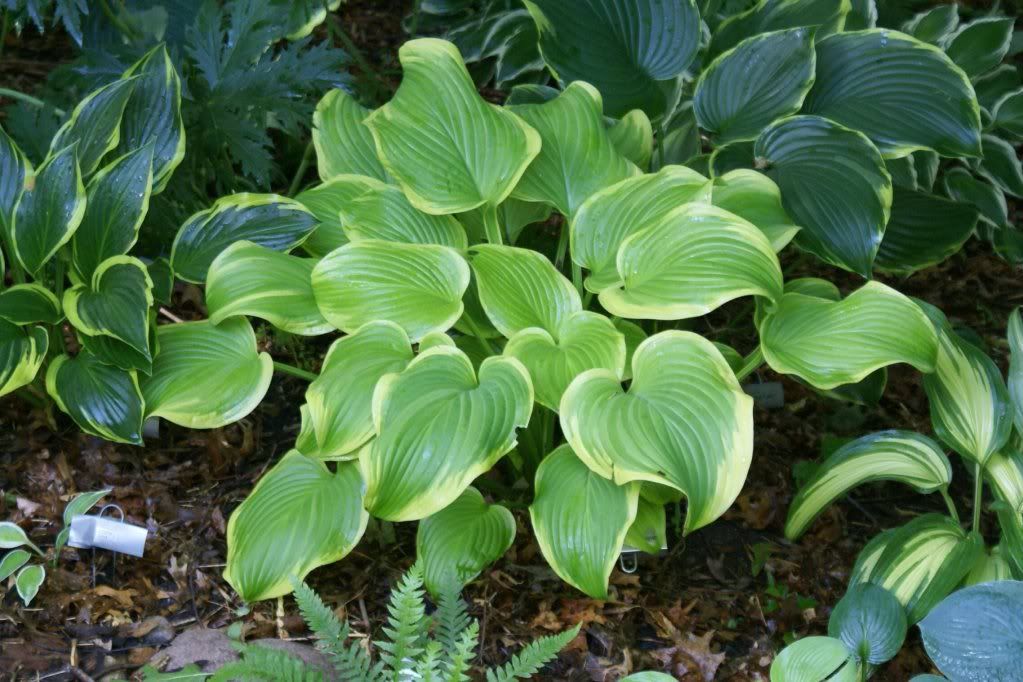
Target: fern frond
pixel 532 657
pixel 460 657
pixel 428 666
pixel 263 663
pixel 450 620
pixel 405 625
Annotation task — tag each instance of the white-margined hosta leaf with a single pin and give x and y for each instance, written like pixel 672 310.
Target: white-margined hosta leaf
pixel 902 93
pixel 903 171
pixel 648 531
pixel 901 456
pixel 923 230
pixel 115 303
pixel 448 148
pixel 249 279
pixel 996 84
pixel 962 186
pixel 834 184
pixel 830 343
pixel 754 197
pixel 269 220
pixel 95 124
pixel 1001 166
pixel 29 303
pixel 761 79
pixel 827 16
pixel 462 539
pixel 933 25
pixel 439 426
pixel 28 581
pixel 417 286
pixel 324 201
pixel 11 562
pixel 633 51
pixel 101 399
pixel 206 375
pixel 22 351
pixel 14 168
pixel 979 46
pixel 633 137
pixel 1015 338
pixel 607 218
pixel 340 399
pixel 659 431
pixel 577 157
pixel 871 622
pixel 1008 114
pixel 343 144
pixel 815 659
pixel 690 262
pixel 970 406
pixel 862 15
pixel 119 354
pixel 580 519
pixel 926 165
pixel 584 340
pixel 298 517
pixel 919 563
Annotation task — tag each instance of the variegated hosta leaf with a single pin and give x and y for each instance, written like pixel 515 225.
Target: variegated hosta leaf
pixel 22 351
pixel 607 218
pixel 1008 114
pixel 659 431
pixel 830 343
pixel 95 124
pixel 450 150
pixel 101 399
pixel 462 539
pixel 29 580
pixel 979 46
pixel 834 184
pixel 29 303
pixel 577 157
pixel 249 279
pixel 14 168
pixel 116 303
pixel 1001 166
pixel 763 78
pixel 298 517
pixel 828 16
pixel 340 399
pixel 754 197
pixel 324 201
pixel 343 144
pixel 648 531
pixel 933 25
pixel 580 519
pixel 901 456
pixel 120 354
pixel 960 185
pixel 690 262
pixel 920 563
pixel 871 622
pixel 269 220
pixel 438 428
pixel 417 286
pixel 206 375
pixel 584 340
pixel 901 93
pixel 633 137
pixel 12 561
pixel 816 659
pixel 1015 337
pixel 970 406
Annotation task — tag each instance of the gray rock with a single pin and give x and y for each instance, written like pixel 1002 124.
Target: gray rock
pixel 211 650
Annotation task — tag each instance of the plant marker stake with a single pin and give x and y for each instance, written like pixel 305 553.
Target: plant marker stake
pixel 90 532
pixel 628 560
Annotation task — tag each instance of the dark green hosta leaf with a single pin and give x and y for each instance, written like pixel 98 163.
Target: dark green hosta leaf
pixel 450 150
pixel 862 15
pixel 440 425
pixel 754 197
pixel 305 15
pixel 1015 338
pixel 153 114
pixel 815 659
pixel 22 351
pixel 298 517
pixel 734 156
pixel 119 354
pixel 269 220
pixel 49 211
pixel 903 171
pixel 101 399
pixel 774 15
pixel 834 184
pixel 462 539
pixel 979 46
pixel 865 80
pixel 95 124
pixel 343 144
pixel 655 432
pixel 205 375
pixel 648 531
pixel 14 168
pixel 985 197
pixel 1008 114
pixel 933 25
pixel 977 632
pixel 761 79
pixel 1001 166
pixel 996 84
pixel 633 137
pixel 871 622
pixel 24 304
pixel 162 276
pixel 117 200
pixel 631 50
pixel 925 166
pixel 325 202
pixel 923 230
pixel 682 139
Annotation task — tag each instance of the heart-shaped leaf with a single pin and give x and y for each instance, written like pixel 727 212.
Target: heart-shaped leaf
pixel 95 124
pixel 979 46
pixel 343 144
pixel 438 428
pixel 29 580
pixel 815 659
pixel 923 230
pixel 871 622
pixel 24 304
pixel 22 351
pixel 101 399
pixel 657 432
pixel 325 201
pixel 754 197
pixel 828 16
pixel 633 137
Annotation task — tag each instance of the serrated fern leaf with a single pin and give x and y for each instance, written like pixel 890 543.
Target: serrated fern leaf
pixel 460 656
pixel 429 665
pixel 450 620
pixel 263 663
pixel 405 626
pixel 532 657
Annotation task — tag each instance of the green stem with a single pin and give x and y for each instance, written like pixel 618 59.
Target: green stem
pixel 29 99
pixel 587 298
pixel 750 364
pixel 285 368
pixel 303 166
pixel 474 328
pixel 577 277
pixel 978 492
pixel 491 225
pixel 952 511
pixel 659 147
pixel 559 258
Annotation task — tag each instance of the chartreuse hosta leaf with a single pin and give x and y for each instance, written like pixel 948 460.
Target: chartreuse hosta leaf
pixel 450 150
pixel 580 519
pixel 633 137
pixel 632 51
pixel 324 202
pixel 901 456
pixel 970 405
pixel 49 210
pixel 343 144
pixel 979 46
pixel 689 262
pixel 269 220
pixel 29 303
pixel 417 286
pixel 834 184
pixel 871 622
pixel 923 230
pixel 993 565
pixel 95 124
pixel 101 399
pixel 22 351
pixel 902 93
pixel 440 425
pixel 462 539
pixel 754 196
pixel 116 303
pixel 657 432
pixel 153 114
pixel 830 343
pixel 919 563
pixel 14 168
pixel 1015 337
pixel 340 399
pixel 648 531
pixel 577 157
pixel 298 517
pixel 815 659
pixel 607 218
pixel 206 375
pixel 761 79
pixel 249 279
